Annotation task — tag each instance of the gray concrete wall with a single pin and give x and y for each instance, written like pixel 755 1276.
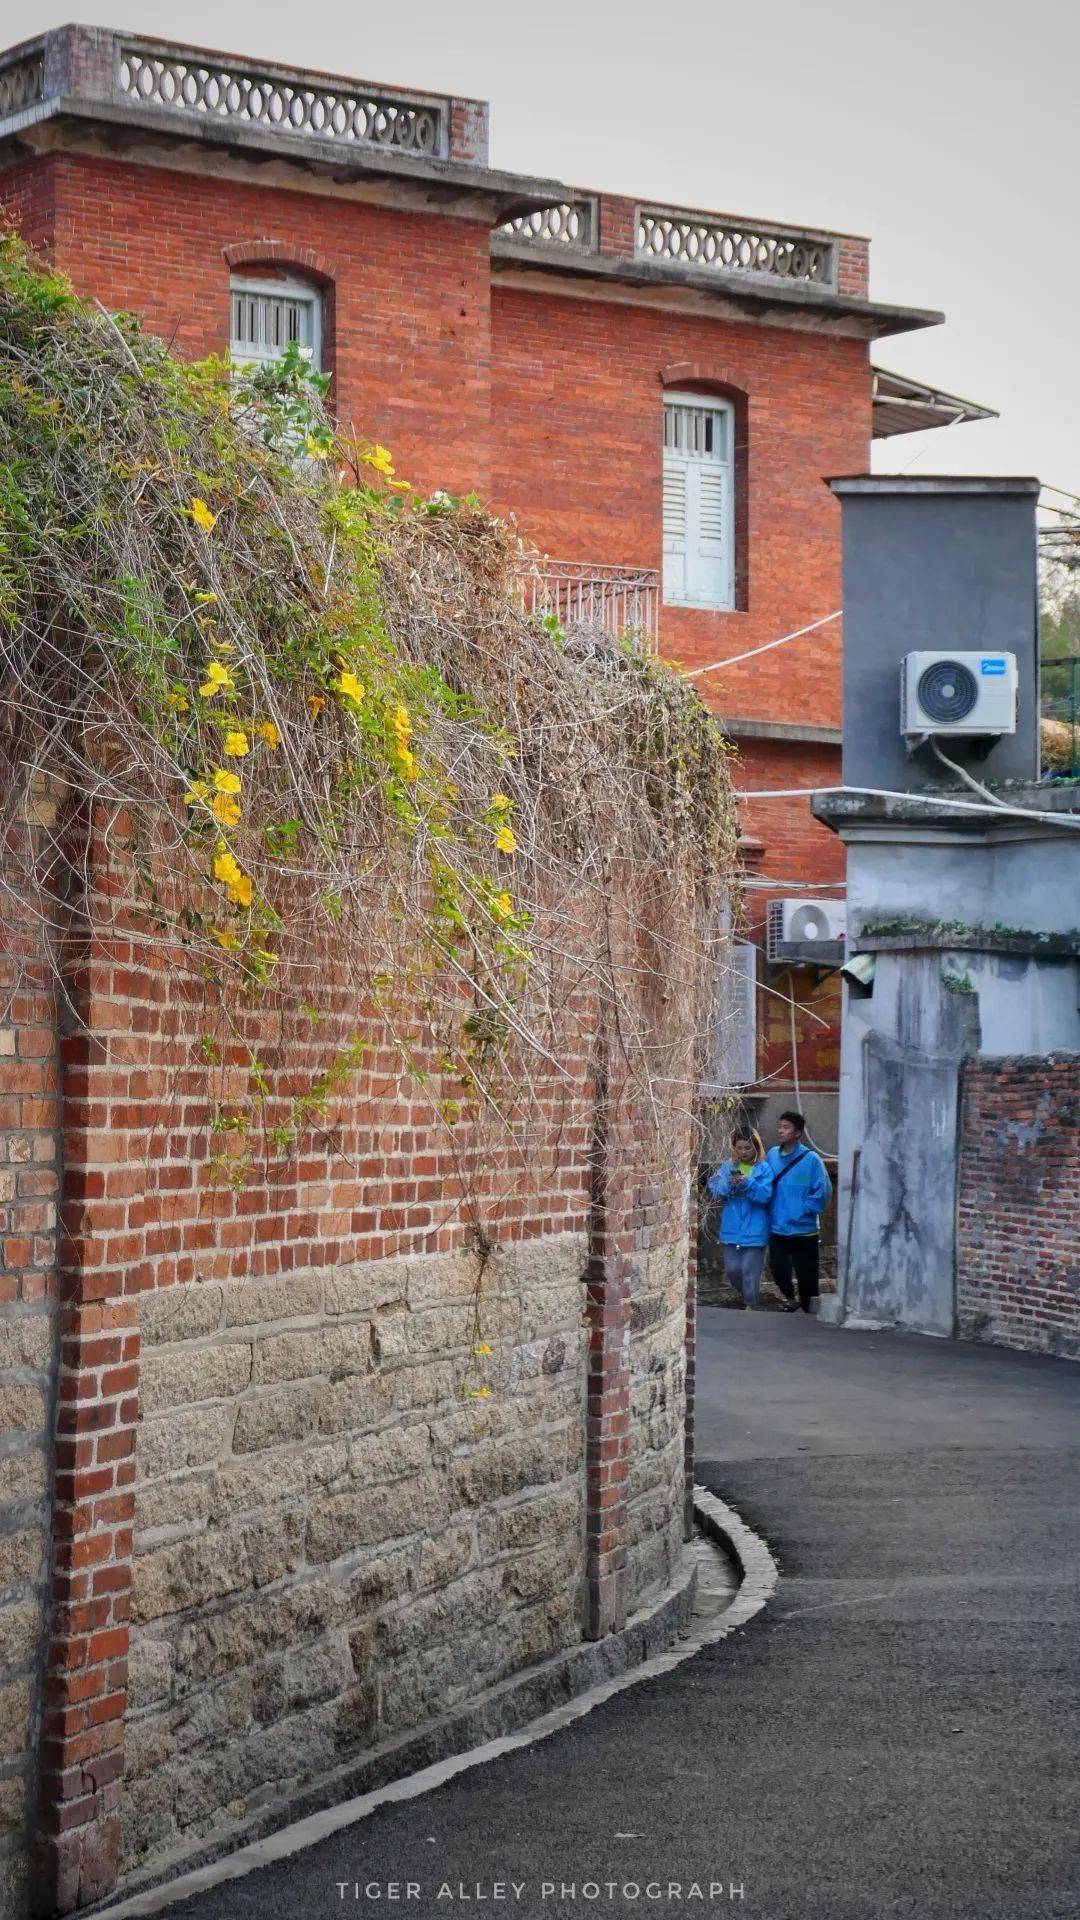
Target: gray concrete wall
pixel 930 564
pixel 957 993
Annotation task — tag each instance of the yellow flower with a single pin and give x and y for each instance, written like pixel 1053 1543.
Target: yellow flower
pixel 503 906
pixel 316 703
pixel 232 876
pixel 380 459
pixel 267 731
pixel 198 790
pixel 202 515
pixel 500 802
pixel 226 782
pixel 401 486
pixel 235 744
pixel 401 723
pixel 218 680
pixel 482 1348
pixel 348 685
pixel 315 448
pixel 225 939
pixel 225 809
pixel 179 702
pixel 506 840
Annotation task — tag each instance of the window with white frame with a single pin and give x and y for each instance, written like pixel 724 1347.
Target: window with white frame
pixel 699 501
pixel 267 315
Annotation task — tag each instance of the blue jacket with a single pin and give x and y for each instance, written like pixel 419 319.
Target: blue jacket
pixel 801 1195
pixel 744 1221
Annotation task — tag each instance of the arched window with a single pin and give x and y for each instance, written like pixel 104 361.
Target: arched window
pixel 268 313
pixel 699 500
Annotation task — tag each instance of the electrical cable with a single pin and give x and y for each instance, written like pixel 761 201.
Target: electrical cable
pixel 795 1071
pixel 734 659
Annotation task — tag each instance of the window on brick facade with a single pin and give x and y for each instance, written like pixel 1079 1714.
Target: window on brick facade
pixel 699 501
pixel 267 315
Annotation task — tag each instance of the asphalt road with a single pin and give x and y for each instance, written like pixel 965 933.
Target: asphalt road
pixel 896 1734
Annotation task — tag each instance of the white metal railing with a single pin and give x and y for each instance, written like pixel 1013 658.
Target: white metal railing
pixel 728 246
pixel 623 601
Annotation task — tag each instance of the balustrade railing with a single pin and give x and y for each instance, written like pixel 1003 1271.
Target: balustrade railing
pixel 185 84
pixel 571 224
pixel 726 246
pixel 622 601
pixel 21 84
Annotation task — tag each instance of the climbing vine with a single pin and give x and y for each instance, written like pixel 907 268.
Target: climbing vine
pixel 314 755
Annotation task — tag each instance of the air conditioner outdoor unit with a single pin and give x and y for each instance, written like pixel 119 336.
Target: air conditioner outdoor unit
pixel 807 932
pixel 958 693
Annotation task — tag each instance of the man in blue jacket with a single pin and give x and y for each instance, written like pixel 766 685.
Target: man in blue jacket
pixel 744 1183
pixel 801 1192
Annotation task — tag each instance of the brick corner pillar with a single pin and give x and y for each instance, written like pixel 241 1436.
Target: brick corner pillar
pixel 607 1408
pixel 77 1842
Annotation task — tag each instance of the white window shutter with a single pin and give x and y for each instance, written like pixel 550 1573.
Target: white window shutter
pixel 712 561
pixel 675 542
pixel 268 315
pixel 698 502
pixel 732 1058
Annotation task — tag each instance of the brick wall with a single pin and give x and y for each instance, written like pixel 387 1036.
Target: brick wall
pixel 577 398
pixel 1017 1257
pixel 284 1533
pixel 800 855
pixel 407 294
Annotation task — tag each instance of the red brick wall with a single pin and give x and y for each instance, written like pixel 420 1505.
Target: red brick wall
pixel 801 856
pixel 577 395
pixel 409 293
pixel 27 201
pixel 554 404
pixel 379 1179
pixel 1017 1258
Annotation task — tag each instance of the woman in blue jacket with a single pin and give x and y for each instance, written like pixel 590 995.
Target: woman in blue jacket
pixel 745 1185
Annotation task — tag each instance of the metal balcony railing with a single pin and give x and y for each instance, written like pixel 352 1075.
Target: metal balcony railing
pixel 622 601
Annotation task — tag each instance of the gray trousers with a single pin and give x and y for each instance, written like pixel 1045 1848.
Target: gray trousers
pixel 743 1266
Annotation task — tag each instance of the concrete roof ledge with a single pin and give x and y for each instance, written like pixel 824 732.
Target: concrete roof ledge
pixel 849 811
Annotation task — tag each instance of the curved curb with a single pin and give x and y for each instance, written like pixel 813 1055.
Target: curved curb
pixel 717 1520
pixel 760 1572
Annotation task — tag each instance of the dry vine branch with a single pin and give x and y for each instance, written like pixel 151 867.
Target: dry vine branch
pixel 317 758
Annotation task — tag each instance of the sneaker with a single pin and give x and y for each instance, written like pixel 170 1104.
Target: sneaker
pixel 790 1306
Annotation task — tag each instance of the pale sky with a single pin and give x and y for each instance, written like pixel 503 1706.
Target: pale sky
pixel 944 129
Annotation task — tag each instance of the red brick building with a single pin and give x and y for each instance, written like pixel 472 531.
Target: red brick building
pixel 655 394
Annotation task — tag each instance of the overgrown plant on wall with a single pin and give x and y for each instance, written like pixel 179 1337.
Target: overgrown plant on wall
pixel 312 757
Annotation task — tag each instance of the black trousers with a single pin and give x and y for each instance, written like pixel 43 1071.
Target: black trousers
pixel 800 1252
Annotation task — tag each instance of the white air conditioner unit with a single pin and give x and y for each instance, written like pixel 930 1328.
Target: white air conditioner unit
pixel 806 930
pixel 958 693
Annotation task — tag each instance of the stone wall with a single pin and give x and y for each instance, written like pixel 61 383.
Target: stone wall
pixel 28 1188
pixel 658 1362
pixel 332 1545
pixel 1017 1253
